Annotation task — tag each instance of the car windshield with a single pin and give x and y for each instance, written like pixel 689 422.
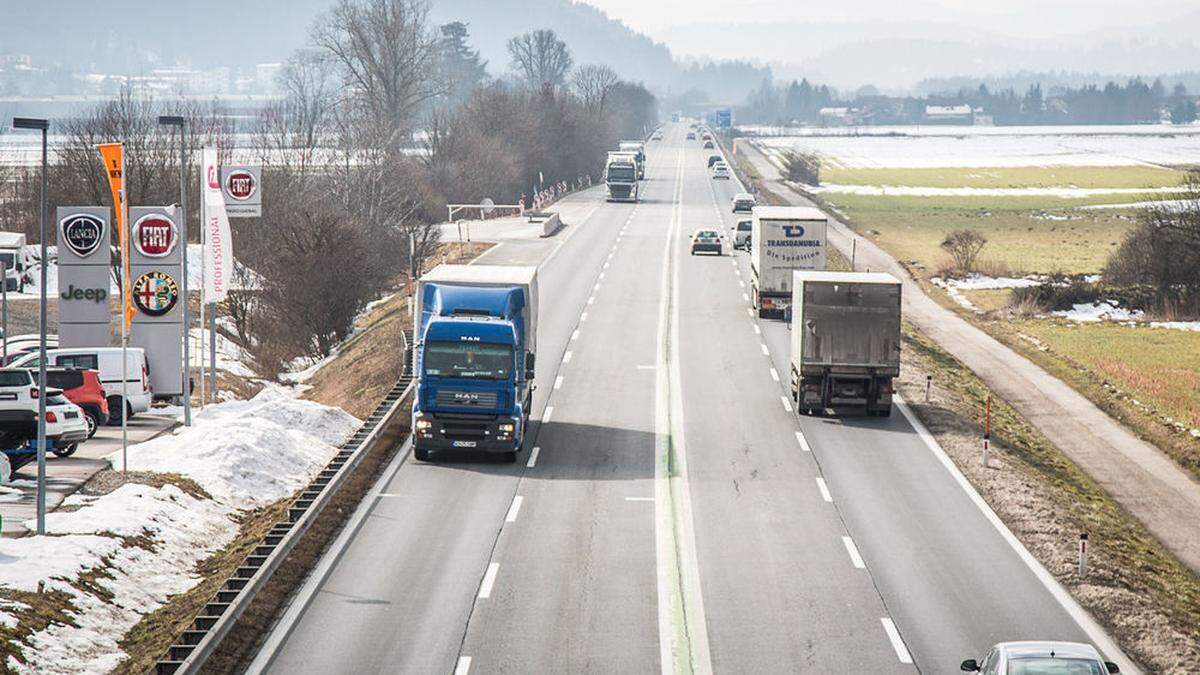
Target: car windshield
pixel 706 234
pixel 1054 666
pixel 15 379
pixel 744 226
pixel 474 360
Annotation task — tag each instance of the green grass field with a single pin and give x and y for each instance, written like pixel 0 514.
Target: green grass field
pixel 1025 235
pixel 1131 177
pixel 1158 366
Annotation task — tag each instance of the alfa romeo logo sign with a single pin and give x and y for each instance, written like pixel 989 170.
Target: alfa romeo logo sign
pixel 155 235
pixel 155 293
pixel 240 185
pixel 81 233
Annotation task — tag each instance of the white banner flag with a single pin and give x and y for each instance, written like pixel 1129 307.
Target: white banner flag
pixel 218 242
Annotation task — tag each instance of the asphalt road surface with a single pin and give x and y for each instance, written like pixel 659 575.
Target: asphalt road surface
pixel 672 513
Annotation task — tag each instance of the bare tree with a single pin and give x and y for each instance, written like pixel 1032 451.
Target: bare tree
pixel 541 58
pixel 388 57
pixel 594 83
pixel 964 247
pixel 802 167
pixel 310 92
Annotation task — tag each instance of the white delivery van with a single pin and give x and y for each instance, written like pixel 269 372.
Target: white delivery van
pixel 106 360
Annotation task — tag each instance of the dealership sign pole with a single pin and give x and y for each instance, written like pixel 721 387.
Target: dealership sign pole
pixel 113 155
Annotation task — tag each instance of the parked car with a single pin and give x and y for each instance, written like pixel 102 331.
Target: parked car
pixel 84 389
pixel 706 240
pixel 137 394
pixel 713 159
pixel 720 171
pixel 18 407
pixel 66 424
pixel 743 202
pixel 741 234
pixel 1038 658
pixel 708 145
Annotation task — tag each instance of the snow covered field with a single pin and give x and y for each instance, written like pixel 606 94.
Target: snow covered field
pixel 243 453
pixel 951 146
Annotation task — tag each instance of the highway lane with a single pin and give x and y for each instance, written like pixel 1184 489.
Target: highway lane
pixel 399 597
pixel 781 589
pixel 596 555
pixel 950 581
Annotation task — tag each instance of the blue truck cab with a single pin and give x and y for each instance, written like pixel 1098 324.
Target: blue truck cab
pixel 475 345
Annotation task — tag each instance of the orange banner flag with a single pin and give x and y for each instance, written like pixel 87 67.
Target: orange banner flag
pixel 113 155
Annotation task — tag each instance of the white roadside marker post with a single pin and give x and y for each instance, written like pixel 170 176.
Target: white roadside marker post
pixel 987 432
pixel 1083 555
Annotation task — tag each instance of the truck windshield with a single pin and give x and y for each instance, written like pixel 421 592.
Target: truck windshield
pixel 473 360
pixel 8 259
pixel 620 173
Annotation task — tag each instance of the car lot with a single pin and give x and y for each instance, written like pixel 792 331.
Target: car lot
pixel 64 475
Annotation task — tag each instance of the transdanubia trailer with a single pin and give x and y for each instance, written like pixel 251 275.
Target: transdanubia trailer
pixel 845 340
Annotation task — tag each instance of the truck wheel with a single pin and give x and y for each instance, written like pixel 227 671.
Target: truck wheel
pixel 421 454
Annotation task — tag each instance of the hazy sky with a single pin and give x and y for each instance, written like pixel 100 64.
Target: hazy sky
pixel 1030 18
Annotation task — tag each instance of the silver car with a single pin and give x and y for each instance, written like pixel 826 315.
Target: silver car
pixel 1041 658
pixel 741 234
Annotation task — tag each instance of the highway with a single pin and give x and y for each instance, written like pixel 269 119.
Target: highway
pixel 673 513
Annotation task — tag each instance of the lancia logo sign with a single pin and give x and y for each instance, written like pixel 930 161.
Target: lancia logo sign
pixel 81 233
pixel 155 235
pixel 155 293
pixel 240 185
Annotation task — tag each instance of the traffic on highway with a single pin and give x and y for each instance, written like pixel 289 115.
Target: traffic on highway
pixel 706 476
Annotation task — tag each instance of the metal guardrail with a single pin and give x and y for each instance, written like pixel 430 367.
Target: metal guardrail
pixel 201 638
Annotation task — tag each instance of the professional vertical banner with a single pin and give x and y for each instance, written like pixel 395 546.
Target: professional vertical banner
pixel 218 242
pixel 156 265
pixel 84 276
pixel 113 155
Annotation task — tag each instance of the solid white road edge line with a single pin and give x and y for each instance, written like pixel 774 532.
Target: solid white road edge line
pixel 824 489
pixel 567 357
pixel 639 499
pixel 489 580
pixel 511 516
pixel 533 455
pixel 682 628
pixel 464 665
pixel 558 382
pixel 897 642
pixel 1099 637
pixel 855 558
pixel 304 597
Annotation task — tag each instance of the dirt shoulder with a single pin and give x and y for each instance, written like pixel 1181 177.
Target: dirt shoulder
pixel 1138 477
pixel 1143 596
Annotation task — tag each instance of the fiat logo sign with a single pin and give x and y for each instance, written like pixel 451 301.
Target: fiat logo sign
pixel 240 185
pixel 155 235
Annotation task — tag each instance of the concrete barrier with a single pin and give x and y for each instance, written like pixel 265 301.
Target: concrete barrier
pixel 551 225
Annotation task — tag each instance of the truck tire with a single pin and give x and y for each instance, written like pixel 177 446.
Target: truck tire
pixel 421 454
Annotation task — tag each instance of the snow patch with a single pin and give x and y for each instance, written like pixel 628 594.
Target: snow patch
pixel 1099 311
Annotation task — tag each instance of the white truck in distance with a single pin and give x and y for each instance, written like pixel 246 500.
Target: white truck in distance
pixel 783 239
pixel 845 340
pixel 621 176
pixel 638 148
pixel 12 253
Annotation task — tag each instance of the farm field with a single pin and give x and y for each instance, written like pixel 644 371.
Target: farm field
pixel 1114 177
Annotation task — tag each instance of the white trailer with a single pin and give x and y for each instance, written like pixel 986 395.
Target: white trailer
pixel 783 239
pixel 12 254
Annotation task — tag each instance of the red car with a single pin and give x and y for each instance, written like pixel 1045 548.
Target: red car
pixel 83 388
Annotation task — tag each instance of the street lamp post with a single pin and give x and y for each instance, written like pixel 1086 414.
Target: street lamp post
pixel 181 122
pixel 43 126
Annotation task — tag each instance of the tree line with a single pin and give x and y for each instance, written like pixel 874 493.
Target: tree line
pixel 383 120
pixel 1130 103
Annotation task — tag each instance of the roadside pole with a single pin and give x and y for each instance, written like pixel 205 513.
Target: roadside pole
pixel 212 364
pixel 203 237
pixel 4 311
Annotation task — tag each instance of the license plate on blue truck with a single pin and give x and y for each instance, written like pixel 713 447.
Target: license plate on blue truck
pixel 464 444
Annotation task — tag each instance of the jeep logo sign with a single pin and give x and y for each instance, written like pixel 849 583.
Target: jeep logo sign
pixel 81 233
pixel 155 235
pixel 240 185
pixel 93 294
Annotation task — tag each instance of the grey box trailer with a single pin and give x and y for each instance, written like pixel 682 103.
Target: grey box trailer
pixel 845 340
pixel 783 239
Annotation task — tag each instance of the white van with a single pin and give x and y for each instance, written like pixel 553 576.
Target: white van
pixel 106 360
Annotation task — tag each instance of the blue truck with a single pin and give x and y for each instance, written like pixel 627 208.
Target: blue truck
pixel 475 338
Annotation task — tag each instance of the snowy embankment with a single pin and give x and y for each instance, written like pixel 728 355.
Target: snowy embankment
pixel 1087 312
pixel 245 454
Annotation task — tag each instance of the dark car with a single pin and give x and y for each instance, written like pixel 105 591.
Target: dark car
pixel 713 159
pixel 691 136
pixel 708 145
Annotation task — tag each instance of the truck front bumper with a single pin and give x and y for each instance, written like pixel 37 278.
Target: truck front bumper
pixel 470 433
